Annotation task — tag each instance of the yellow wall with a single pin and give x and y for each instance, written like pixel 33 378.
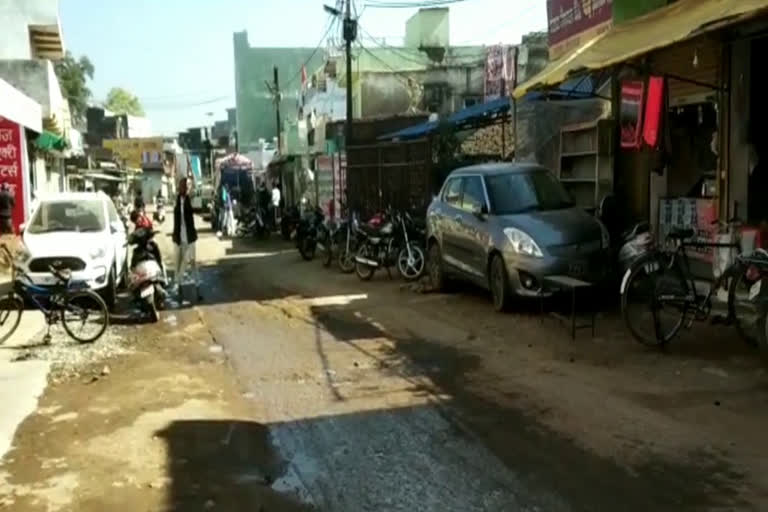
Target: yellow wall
pixel 131 150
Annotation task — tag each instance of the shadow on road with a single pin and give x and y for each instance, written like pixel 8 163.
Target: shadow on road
pixel 463 393
pixel 225 465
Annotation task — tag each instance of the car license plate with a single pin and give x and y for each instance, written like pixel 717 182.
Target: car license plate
pixel 148 291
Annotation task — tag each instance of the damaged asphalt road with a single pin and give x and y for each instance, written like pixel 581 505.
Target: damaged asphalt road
pixel 293 387
pixel 372 402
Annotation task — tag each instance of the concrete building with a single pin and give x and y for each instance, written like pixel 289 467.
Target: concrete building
pixel 103 124
pixel 255 104
pixel 31 30
pixel 29 40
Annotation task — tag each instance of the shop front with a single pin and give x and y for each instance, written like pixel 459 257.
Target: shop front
pixel 686 131
pixel 20 117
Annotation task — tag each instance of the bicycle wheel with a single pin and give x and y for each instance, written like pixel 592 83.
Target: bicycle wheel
pixel 84 316
pixel 745 298
pixel 654 300
pixel 11 309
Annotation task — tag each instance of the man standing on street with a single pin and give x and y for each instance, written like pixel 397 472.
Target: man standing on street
pixel 184 237
pixel 7 202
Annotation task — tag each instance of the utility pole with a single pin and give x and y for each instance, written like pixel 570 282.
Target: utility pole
pixel 276 92
pixel 350 34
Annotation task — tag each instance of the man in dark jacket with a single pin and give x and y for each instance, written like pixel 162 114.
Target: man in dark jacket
pixel 7 202
pixel 184 238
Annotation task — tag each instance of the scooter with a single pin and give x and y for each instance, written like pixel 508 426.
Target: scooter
pixel 147 279
pixel 159 215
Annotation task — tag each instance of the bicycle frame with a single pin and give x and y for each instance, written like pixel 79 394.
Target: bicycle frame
pixel 680 251
pixel 33 292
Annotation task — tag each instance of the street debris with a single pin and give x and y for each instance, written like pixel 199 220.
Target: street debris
pixel 69 358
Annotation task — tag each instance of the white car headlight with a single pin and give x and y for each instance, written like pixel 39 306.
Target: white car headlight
pixel 522 243
pixel 97 253
pixel 606 237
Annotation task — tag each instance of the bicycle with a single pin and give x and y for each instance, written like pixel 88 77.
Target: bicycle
pixel 72 303
pixel 662 283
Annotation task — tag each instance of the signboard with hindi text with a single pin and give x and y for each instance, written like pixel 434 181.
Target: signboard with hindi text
pixel 574 22
pixel 11 166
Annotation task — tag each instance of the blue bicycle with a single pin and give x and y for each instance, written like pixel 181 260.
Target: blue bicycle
pixel 82 312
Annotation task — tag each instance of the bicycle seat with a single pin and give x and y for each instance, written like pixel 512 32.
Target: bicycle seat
pixel 682 234
pixel 61 273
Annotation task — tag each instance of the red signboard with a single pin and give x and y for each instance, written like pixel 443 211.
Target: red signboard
pixel 11 168
pixel 568 18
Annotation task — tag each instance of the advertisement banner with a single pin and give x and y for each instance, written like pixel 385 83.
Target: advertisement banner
pixel 631 114
pixel 573 22
pixel 500 71
pixel 11 167
pixel 194 163
pixel 138 153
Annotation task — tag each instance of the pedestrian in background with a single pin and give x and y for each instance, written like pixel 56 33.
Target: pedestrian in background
pixel 7 203
pixel 184 238
pixel 276 199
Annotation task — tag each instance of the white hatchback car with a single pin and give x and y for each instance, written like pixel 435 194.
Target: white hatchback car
pixel 81 230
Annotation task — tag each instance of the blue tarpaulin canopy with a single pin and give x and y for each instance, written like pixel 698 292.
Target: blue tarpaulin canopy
pixel 475 114
pixel 575 88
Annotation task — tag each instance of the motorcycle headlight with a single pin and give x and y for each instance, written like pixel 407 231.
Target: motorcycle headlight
pixel 522 243
pixel 605 236
pixel 97 253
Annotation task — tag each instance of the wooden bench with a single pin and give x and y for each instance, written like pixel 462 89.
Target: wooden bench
pixel 572 285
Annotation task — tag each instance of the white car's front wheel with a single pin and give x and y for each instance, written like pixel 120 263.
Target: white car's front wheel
pixel 110 291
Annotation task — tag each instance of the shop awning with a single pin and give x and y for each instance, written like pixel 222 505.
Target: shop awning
pixel 463 119
pixel 103 177
pixel 48 141
pixel 660 28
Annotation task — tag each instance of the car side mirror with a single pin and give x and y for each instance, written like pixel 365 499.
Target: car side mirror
pixel 116 227
pixel 480 211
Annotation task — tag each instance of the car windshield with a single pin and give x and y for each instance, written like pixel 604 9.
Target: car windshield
pixel 79 216
pixel 523 192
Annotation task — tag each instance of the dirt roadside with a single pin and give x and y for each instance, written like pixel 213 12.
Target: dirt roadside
pixel 162 428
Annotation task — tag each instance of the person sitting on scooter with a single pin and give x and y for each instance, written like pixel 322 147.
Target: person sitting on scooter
pixel 140 219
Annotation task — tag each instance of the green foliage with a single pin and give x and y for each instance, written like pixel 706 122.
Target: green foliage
pixel 73 76
pixel 121 101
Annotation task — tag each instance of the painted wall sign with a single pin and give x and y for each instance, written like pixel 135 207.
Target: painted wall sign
pixel 11 166
pixel 573 22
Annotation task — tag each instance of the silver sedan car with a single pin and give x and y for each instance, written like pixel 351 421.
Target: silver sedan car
pixel 506 227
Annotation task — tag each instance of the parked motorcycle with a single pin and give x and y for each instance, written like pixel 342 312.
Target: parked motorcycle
pixel 159 215
pixel 347 240
pixel 311 233
pixel 147 279
pixel 390 245
pixel 252 223
pixel 289 222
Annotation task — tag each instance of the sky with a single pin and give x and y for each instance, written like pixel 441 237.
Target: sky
pixel 177 55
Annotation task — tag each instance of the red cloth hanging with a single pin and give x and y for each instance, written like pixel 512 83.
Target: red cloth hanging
pixel 653 108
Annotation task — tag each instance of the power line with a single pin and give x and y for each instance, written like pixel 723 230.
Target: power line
pixel 332 22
